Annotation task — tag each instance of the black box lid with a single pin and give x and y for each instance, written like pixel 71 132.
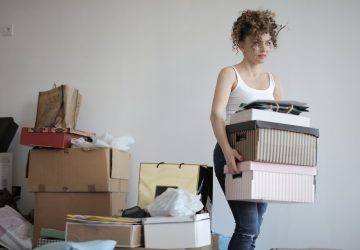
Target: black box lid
pixel 252 125
pixel 8 129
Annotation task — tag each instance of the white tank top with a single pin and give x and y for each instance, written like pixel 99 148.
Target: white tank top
pixel 245 94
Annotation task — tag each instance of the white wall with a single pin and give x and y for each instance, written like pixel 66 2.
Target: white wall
pixel 148 69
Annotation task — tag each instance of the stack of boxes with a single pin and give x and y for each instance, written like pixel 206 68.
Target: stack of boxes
pixel 69 180
pixel 157 232
pixel 76 181
pixel 280 159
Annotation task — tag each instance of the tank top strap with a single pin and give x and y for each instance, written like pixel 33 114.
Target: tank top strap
pixel 272 80
pixel 237 75
pixel 238 78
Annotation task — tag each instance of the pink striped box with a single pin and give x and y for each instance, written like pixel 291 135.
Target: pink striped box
pixel 270 182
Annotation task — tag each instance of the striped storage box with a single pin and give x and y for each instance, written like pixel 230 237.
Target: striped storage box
pixel 271 183
pixel 274 142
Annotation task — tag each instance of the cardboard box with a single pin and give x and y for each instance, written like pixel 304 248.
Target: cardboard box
pixel 209 247
pixel 51 208
pixel 6 171
pixel 78 170
pixel 177 232
pixel 304 249
pixel 51 137
pixel 8 129
pixel 274 142
pixel 126 235
pixel 269 116
pixel 271 183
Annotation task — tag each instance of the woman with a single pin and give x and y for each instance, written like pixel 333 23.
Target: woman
pixel 254 33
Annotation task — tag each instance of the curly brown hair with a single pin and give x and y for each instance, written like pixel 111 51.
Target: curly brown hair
pixel 254 23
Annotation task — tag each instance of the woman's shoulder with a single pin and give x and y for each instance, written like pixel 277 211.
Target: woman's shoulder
pixel 278 87
pixel 228 71
pixel 227 77
pixel 274 76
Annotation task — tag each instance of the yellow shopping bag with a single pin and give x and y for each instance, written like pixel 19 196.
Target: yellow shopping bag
pixel 155 178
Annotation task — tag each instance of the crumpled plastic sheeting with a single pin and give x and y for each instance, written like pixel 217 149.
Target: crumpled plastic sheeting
pixel 87 245
pixel 175 202
pixel 105 141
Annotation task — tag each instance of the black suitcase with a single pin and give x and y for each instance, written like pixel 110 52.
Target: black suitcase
pixel 7 131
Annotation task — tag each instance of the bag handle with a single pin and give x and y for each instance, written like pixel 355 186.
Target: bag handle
pixel 157 166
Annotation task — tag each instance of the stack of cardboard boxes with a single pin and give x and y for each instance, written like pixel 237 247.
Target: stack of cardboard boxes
pixel 190 232
pixel 69 180
pixel 76 181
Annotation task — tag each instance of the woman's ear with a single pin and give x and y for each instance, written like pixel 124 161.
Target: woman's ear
pixel 241 47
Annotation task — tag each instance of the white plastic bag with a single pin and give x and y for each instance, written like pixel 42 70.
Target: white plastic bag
pixel 106 140
pixel 175 202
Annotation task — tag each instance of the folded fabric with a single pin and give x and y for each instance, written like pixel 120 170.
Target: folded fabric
pixel 87 245
pixel 290 107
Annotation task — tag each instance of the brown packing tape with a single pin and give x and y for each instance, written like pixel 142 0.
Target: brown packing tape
pixel 124 186
pixel 42 188
pixel 91 188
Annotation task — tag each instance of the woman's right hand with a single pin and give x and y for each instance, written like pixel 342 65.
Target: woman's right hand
pixel 232 156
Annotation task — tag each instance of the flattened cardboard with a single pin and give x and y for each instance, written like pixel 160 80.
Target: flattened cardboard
pixel 78 170
pixel 126 235
pixel 51 208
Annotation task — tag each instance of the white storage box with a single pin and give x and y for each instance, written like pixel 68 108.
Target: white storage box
pixel 269 116
pixel 6 171
pixel 177 232
pixel 271 183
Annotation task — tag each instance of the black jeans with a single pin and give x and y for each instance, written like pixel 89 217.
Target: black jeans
pixel 248 215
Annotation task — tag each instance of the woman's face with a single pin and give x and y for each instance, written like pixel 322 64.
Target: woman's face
pixel 256 49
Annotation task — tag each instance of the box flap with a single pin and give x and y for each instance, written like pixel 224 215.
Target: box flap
pixel 120 162
pixel 176 219
pixel 59 130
